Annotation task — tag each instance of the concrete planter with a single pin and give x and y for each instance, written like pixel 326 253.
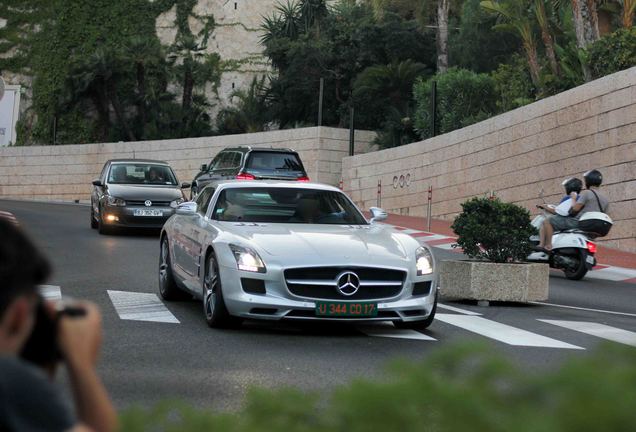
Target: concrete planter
pixel 478 280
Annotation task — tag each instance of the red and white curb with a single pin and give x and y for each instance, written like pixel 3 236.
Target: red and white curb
pixel 601 271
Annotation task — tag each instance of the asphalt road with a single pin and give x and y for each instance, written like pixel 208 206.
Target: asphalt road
pixel 144 362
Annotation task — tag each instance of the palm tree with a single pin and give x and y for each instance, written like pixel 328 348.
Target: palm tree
pixel 546 35
pixel 443 7
pixel 515 19
pixel 627 15
pixel 251 111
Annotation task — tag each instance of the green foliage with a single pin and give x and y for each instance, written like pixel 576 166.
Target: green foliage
pixel 463 388
pixel 513 85
pixel 463 98
pixel 493 230
pixel 613 52
pixel 338 47
pixel 251 113
pixel 90 60
pixel 475 46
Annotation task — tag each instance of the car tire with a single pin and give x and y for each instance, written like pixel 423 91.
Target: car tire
pixel 94 223
pixel 421 324
pixel 102 228
pixel 168 288
pixel 214 309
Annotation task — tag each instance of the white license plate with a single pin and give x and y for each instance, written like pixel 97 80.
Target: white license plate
pixel 590 259
pixel 144 212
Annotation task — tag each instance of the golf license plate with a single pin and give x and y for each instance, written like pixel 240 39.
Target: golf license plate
pixel 144 212
pixel 341 309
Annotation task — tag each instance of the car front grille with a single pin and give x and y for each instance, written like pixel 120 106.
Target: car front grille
pixel 143 203
pixel 321 282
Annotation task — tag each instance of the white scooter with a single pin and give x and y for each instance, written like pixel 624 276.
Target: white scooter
pixel 572 250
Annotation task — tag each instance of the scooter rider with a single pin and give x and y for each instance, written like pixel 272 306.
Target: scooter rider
pixel 572 187
pixel 590 200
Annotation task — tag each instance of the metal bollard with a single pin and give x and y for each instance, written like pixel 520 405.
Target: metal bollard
pixel 379 201
pixel 429 209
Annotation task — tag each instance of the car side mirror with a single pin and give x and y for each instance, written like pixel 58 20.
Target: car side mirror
pixel 187 208
pixel 185 185
pixel 97 182
pixel 204 167
pixel 377 214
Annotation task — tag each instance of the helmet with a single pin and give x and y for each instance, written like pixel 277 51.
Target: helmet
pixel 593 178
pixel 572 184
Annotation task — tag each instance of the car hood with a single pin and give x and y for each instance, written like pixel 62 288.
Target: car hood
pixel 143 192
pixel 377 244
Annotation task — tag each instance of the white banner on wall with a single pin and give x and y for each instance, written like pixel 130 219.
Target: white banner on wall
pixel 9 113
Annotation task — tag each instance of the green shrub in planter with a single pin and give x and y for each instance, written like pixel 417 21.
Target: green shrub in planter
pixel 492 230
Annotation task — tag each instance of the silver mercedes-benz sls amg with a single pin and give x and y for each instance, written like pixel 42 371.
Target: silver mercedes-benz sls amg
pixel 285 250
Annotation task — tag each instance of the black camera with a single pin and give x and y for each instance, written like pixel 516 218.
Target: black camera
pixel 42 346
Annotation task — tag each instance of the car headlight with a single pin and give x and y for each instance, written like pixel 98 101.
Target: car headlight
pixel 117 202
pixel 423 261
pixel 247 259
pixel 176 202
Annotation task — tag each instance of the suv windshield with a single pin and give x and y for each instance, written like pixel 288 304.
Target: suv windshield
pixel 143 174
pixel 273 161
pixel 286 205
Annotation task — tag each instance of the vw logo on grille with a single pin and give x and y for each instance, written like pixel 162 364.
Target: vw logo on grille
pixel 348 283
pixel 148 203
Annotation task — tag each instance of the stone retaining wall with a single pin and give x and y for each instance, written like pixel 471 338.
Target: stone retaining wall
pixel 516 154
pixel 65 172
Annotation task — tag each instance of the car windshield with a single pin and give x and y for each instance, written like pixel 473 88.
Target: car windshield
pixel 286 205
pixel 141 174
pixel 273 161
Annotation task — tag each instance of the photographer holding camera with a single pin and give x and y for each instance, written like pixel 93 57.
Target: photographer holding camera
pixel 35 337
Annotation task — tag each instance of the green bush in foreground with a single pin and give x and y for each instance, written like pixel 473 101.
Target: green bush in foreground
pixel 458 389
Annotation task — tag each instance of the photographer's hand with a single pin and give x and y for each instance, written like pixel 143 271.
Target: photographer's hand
pixel 79 340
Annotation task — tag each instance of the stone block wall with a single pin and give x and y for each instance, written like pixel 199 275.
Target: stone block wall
pixel 516 154
pixel 65 172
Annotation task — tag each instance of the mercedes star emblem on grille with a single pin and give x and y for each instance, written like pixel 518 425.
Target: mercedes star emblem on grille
pixel 348 283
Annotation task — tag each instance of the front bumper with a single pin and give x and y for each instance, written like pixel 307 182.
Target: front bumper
pixel 125 216
pixel 279 303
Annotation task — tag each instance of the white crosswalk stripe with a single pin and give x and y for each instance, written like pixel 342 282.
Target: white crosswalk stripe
pixel 502 332
pixel 599 330
pixel 141 307
pixel 612 273
pixel 456 309
pixel 50 292
pixel 388 330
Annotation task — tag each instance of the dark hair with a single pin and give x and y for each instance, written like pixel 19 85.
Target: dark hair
pixel 593 178
pixel 573 185
pixel 22 266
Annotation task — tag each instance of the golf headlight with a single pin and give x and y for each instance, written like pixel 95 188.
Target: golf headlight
pixel 423 261
pixel 176 202
pixel 247 259
pixel 117 202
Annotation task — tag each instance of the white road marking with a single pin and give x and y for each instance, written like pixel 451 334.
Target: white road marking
pixel 456 309
pixel 410 231
pixel 388 330
pixel 431 238
pixel 447 246
pixel 141 307
pixel 612 273
pixel 584 309
pixel 51 292
pixel 599 330
pixel 502 332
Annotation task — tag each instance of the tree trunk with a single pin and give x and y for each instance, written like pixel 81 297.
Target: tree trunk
pixel 578 7
pixel 119 112
pixel 188 85
pixel 548 41
pixel 628 13
pixel 442 35
pixel 592 11
pixel 533 62
pixel 141 106
pixel 100 100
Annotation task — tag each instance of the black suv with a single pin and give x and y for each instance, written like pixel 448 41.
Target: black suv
pixel 248 163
